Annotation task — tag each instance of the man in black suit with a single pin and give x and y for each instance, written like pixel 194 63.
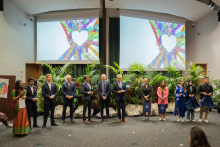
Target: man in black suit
pixel 31 101
pixel 87 92
pixel 119 88
pixel 49 91
pixel 104 90
pixel 68 90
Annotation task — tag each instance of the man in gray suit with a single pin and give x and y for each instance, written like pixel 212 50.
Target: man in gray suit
pixel 49 91
pixel 104 90
pixel 68 90
pixel 87 92
pixel 119 88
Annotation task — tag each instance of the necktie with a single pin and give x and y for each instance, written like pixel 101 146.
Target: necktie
pixel 69 85
pixel 104 87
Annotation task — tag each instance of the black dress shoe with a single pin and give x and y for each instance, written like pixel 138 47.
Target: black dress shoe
pixel 101 120
pixel 54 124
pixel 44 126
pixel 35 126
pixel 107 119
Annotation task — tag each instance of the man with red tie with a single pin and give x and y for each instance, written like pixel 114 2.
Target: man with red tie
pixel 68 90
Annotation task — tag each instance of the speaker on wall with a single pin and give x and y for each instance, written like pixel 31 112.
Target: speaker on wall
pixel 1 5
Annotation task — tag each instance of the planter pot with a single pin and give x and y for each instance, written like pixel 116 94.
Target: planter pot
pixel 218 109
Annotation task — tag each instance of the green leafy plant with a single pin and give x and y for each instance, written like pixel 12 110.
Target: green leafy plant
pixel 216 91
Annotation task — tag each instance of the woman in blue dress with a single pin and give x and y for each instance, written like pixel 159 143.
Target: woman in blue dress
pixel 180 95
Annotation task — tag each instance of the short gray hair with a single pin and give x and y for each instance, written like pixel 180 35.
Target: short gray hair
pixel 119 75
pixel 68 76
pixel 103 75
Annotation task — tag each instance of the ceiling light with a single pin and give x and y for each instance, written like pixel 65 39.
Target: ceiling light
pixel 210 4
pixel 213 5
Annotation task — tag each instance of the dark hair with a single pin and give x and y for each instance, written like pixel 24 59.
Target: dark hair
pixel 163 88
pixel 31 78
pixel 206 78
pixel 17 92
pixel 85 76
pixel 189 81
pixel 198 138
pixel 184 89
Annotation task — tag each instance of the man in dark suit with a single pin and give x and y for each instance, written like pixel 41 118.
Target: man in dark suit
pixel 104 90
pixel 119 88
pixel 49 91
pixel 31 101
pixel 87 92
pixel 68 90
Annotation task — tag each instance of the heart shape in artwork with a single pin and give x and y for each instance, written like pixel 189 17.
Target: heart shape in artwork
pixel 169 42
pixel 79 37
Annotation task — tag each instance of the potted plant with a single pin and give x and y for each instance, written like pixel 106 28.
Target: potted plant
pixel 216 92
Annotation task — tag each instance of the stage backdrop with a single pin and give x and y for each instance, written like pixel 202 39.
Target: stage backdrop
pixel 151 42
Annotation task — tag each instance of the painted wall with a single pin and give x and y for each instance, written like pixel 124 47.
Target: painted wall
pixel 205 47
pixel 16 41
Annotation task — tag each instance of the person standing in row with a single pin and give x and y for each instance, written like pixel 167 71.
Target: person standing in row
pixel 180 94
pixel 205 90
pixel 68 90
pixel 87 92
pixel 146 91
pixel 104 90
pixel 191 101
pixel 20 115
pixel 49 91
pixel 31 101
pixel 162 93
pixel 119 88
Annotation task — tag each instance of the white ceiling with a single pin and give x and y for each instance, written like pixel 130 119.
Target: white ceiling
pixel 189 9
pixel 40 6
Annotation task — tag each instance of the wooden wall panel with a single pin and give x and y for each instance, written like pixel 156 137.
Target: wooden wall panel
pixel 32 70
pixel 6 104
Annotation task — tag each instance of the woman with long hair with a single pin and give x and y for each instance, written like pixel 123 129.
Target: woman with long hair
pixel 162 93
pixel 180 94
pixel 191 102
pixel 21 122
pixel 198 138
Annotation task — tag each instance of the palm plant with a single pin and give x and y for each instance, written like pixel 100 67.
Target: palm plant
pixel 196 73
pixel 58 76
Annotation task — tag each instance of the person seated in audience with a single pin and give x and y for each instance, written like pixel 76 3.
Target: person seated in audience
pixel 198 138
pixel 4 118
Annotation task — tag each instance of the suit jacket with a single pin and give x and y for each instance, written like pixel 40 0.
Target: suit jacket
pixel 84 90
pixel 116 89
pixel 30 96
pixel 68 91
pixel 190 92
pixel 107 90
pixel 46 92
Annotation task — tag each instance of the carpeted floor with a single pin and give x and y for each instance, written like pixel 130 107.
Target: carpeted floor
pixel 153 133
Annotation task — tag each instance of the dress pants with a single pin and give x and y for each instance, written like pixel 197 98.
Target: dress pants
pixel 47 107
pixel 206 112
pixel 106 102
pixel 65 103
pixel 121 101
pixel 87 103
pixel 31 106
pixel 146 101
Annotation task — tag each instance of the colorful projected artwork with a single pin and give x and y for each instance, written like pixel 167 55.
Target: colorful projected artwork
pixel 4 88
pixel 170 40
pixel 83 38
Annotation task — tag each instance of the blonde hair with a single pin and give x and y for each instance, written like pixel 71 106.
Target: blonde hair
pixel 48 75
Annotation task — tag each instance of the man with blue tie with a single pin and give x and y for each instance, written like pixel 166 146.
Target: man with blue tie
pixel 68 90
pixel 119 88
pixel 104 90
pixel 87 92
